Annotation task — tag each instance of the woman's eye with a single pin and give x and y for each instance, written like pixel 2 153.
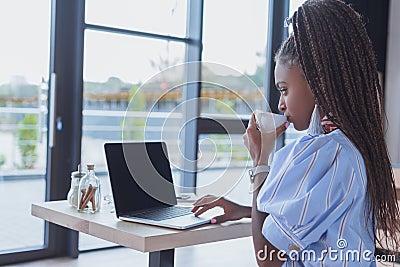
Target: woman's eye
pixel 282 90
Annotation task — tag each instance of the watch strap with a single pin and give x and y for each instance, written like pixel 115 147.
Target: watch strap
pixel 256 170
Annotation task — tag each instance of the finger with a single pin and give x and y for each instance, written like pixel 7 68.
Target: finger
pixel 201 211
pixel 252 122
pixel 251 132
pixel 195 209
pixel 203 200
pixel 198 201
pixel 279 130
pixel 220 219
pixel 204 209
pixel 246 139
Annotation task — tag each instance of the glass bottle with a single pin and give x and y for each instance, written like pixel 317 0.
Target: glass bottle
pixel 89 194
pixel 72 196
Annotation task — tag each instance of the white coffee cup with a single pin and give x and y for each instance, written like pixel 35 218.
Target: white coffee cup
pixel 268 121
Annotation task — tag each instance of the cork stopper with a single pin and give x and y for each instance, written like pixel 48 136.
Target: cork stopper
pixel 90 166
pixel 79 173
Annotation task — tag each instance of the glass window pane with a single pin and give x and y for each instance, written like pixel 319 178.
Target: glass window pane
pixel 233 74
pixel 133 60
pixel 24 53
pixel 238 41
pixel 125 94
pixel 166 17
pixel 223 163
pixel 228 93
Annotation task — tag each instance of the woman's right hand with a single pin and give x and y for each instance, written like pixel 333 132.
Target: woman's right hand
pixel 260 145
pixel 232 210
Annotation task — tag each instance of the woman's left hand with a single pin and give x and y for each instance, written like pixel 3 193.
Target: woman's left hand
pixel 260 145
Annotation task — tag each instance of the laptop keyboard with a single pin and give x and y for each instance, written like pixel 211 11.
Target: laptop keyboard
pixel 163 213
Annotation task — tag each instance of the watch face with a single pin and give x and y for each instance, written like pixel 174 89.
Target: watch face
pixel 251 173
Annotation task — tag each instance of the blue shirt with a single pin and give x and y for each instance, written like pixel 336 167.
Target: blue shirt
pixel 315 195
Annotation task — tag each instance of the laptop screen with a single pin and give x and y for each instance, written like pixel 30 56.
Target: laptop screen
pixel 140 176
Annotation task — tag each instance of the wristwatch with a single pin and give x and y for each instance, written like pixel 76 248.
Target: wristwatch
pixel 256 170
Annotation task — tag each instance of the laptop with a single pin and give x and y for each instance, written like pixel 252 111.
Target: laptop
pixel 142 186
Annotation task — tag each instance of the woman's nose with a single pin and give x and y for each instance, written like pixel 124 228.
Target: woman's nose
pixel 281 105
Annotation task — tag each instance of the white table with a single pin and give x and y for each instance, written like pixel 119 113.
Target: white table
pixel 158 241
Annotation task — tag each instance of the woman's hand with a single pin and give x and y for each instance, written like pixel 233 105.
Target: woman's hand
pixel 232 211
pixel 260 145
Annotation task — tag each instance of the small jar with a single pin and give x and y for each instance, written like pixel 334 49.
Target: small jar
pixel 72 196
pixel 89 194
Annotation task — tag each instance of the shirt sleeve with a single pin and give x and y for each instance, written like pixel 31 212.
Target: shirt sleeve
pixel 307 195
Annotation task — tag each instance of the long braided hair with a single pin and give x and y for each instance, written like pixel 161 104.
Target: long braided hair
pixel 332 47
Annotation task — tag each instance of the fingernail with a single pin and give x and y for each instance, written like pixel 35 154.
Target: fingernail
pixel 287 124
pixel 213 221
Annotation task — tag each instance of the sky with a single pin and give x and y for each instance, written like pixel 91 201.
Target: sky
pixel 24 45
pixel 234 33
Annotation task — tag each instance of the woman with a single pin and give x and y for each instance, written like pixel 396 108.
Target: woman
pixel 331 190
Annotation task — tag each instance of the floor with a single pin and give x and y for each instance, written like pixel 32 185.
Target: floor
pixel 232 253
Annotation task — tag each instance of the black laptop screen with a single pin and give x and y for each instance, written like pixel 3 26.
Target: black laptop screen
pixel 140 176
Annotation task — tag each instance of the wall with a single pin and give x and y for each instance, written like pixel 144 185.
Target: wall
pixel 392 83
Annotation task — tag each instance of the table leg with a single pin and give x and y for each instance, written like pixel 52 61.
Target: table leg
pixel 163 258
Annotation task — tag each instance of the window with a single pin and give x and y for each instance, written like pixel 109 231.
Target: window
pixel 233 77
pixel 234 39
pixel 167 17
pixel 222 167
pixel 23 125
pixel 127 95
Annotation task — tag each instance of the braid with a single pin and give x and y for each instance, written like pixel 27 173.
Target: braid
pixel 332 47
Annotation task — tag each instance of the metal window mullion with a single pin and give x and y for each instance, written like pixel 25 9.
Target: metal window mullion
pixel 135 33
pixel 278 11
pixel 191 94
pixel 67 44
